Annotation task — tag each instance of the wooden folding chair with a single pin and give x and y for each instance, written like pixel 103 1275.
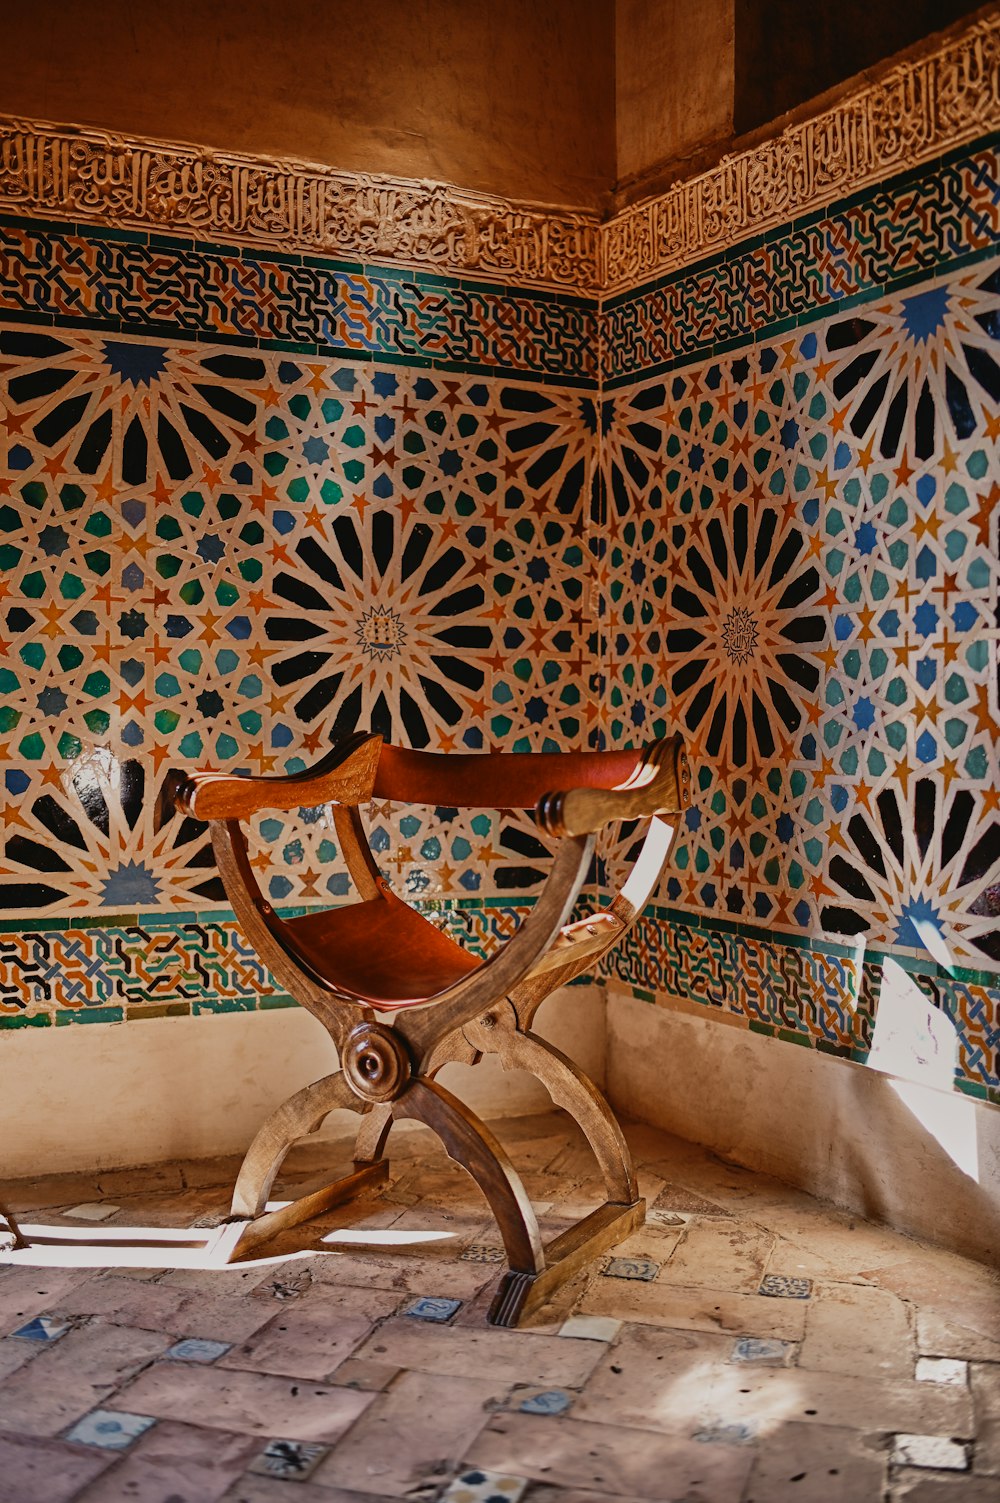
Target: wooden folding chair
pixel 400 998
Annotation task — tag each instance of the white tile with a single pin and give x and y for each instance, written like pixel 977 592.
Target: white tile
pixel 934 1451
pixel 109 1429
pixel 942 1370
pixel 194 1349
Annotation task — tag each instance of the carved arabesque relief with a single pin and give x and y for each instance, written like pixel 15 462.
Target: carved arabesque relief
pixel 912 113
pixel 99 177
pixel 909 115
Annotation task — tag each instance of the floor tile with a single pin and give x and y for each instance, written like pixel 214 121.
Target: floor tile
pixel 774 1396
pixel 984 1379
pixel 407 1433
pixel 255 1403
pixel 859 1332
pixel 16 1354
pixel 590 1327
pixel 764 1351
pixel 76 1375
pixel 475 1486
pixel 696 1309
pixel 112 1430
pixel 134 1480
pixel 818 1464
pixel 43 1328
pixel 459 1351
pixel 942 1370
pixel 719 1254
pixel 528 1400
pixel 939 1336
pixel 656 1379
pixel 27 1292
pixel 194 1349
pixel 610 1459
pixel 175 1462
pixel 910 1486
pixel 33 1471
pixel 437 1308
pixel 142 1304
pixel 292 1460
pixel 932 1451
pixel 360 1372
pixel 632 1268
pixel 301 1342
pixel 782 1286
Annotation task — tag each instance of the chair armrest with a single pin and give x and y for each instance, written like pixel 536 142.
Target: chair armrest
pixel 660 784
pixel 346 775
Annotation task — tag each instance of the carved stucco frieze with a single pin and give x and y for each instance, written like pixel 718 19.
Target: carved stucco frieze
pixel 62 172
pixel 912 113
pixel 909 115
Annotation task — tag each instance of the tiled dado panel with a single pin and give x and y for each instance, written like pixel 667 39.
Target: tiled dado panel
pixel 107 970
pixel 217 555
pixel 801 573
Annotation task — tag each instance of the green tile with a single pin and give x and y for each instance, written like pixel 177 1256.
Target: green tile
pixel 90 1015
pixel 973 1088
pixel 270 1003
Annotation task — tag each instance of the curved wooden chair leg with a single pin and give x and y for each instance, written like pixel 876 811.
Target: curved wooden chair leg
pixel 296 1118
pixel 471 1144
pixel 622 1213
pixel 569 1087
pixel 369 1145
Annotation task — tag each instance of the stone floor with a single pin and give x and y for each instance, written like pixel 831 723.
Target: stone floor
pixel 750 1345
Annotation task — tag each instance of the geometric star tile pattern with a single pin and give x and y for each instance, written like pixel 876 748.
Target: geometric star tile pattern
pixel 219 558
pixel 803 555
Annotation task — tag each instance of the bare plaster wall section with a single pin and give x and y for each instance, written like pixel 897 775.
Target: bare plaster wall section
pixel 673 80
pixel 508 97
pixel 918 1159
pixel 102 1095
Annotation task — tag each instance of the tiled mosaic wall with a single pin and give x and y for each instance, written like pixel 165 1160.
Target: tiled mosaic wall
pixel 250 495
pixel 219 553
pixel 802 570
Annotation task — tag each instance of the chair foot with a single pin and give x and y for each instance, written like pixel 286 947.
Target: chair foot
pixel 10 1232
pixel 519 1294
pixel 254 1233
